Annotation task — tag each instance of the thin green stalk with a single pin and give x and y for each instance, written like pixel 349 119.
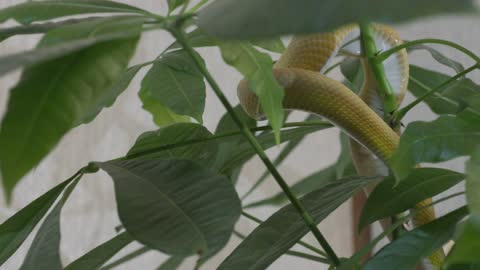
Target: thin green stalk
pixel 197 6
pixel 304 244
pixel 130 256
pixel 184 7
pixel 309 221
pixel 384 55
pixel 291 252
pixel 370 50
pixel 399 114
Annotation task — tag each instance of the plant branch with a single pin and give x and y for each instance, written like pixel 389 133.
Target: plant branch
pixel 179 34
pixel 384 55
pixel 399 114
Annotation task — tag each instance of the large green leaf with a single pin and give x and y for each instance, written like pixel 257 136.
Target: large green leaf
pixel 175 82
pixel 33 11
pixel 389 199
pixel 443 139
pixel 264 18
pixel 44 253
pixel 149 144
pixel 286 227
pixel 453 99
pixel 73 38
pixel 98 256
pixel 59 94
pixel 175 206
pixel 407 251
pixel 17 228
pixel 257 68
pixel 161 115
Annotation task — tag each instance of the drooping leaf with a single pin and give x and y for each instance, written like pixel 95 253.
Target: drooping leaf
pixel 408 250
pixel 173 4
pixel 453 99
pixel 98 256
pixel 17 228
pixel 149 144
pixel 286 227
pixel 193 208
pixel 443 139
pixel 439 57
pixel 59 94
pixel 257 68
pixel 44 253
pixel 33 11
pixel 175 82
pixel 389 199
pixel 162 116
pixel 68 39
pixel 265 18
pixel 172 263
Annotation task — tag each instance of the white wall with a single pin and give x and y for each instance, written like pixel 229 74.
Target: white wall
pixel 90 216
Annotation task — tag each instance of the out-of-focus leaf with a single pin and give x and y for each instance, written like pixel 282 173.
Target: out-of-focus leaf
pixel 257 68
pixel 33 11
pixel 172 263
pixel 407 251
pixel 175 82
pixel 44 253
pixel 443 139
pixel 461 97
pixel 353 72
pixel 467 244
pixel 273 45
pixel 149 143
pixel 389 199
pixel 173 4
pixel 59 94
pixel 98 256
pixel 266 18
pixel 162 116
pixel 473 183
pixel 439 57
pixel 194 208
pixel 286 227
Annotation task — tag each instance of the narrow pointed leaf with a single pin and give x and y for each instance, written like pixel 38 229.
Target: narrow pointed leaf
pixel 172 263
pixel 439 57
pixel 265 18
pixel 408 250
pixel 389 199
pixel 98 256
pixel 286 227
pixel 33 11
pixel 193 208
pixel 445 138
pixel 173 4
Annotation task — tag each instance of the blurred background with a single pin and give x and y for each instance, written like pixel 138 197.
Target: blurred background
pixel 90 217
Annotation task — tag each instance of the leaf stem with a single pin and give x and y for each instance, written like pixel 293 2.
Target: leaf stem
pixel 384 55
pixel 370 50
pixel 197 6
pixel 179 34
pixel 398 115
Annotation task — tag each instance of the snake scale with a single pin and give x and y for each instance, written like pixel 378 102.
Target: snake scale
pixel 300 72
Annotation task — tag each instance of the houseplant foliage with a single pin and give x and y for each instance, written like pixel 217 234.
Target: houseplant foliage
pixel 175 188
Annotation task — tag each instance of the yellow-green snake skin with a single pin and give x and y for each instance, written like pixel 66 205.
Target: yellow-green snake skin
pixel 299 71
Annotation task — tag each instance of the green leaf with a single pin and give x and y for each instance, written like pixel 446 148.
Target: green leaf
pixel 467 244
pixel 59 94
pixel 33 11
pixel 439 57
pixel 73 38
pixel 175 206
pixel 17 228
pixel 155 144
pixel 98 256
pixel 266 18
pixel 408 250
pixel 44 253
pixel 473 183
pixel 353 72
pixel 175 82
pixel 443 139
pixel 162 116
pixel 257 68
pixel 172 263
pixel 464 267
pixel 286 227
pixel 273 45
pixel 389 199
pixel 197 38
pixel 452 99
pixel 173 4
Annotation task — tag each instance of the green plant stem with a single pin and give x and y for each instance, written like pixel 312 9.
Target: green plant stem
pixel 370 50
pixel 384 55
pixel 308 219
pixel 130 256
pixel 399 114
pixel 184 7
pixel 197 6
pixel 304 244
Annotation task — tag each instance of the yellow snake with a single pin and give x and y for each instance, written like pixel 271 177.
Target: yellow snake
pixel 299 71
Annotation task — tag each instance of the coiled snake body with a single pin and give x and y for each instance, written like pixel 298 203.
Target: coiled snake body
pixel 300 72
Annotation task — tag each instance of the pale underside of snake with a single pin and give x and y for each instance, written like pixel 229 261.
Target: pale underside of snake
pixel 300 72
